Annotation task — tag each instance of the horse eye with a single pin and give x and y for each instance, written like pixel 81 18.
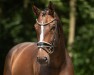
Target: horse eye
pixel 53 28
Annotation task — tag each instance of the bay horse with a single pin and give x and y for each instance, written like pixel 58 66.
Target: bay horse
pixel 46 57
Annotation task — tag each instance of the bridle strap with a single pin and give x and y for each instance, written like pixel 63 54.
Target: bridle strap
pixel 46 46
pixel 45 23
pixel 43 44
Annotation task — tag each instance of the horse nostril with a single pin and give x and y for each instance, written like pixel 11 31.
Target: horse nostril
pixel 45 59
pixel 42 60
pixel 37 58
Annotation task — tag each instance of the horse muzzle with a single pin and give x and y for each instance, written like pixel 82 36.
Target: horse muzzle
pixel 43 57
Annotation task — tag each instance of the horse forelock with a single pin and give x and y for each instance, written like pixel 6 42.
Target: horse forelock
pixel 44 12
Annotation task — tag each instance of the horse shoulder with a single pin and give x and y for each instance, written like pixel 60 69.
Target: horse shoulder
pixel 12 54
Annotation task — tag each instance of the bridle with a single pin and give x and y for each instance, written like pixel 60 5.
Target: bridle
pixel 48 47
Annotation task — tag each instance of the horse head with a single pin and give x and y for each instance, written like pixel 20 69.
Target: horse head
pixel 46 29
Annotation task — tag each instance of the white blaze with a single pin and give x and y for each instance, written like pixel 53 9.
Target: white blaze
pixel 42 33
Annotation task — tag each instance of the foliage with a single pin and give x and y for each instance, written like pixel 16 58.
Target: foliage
pixel 83 51
pixel 83 48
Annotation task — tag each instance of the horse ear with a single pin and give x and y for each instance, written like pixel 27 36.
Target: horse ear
pixel 36 10
pixel 51 8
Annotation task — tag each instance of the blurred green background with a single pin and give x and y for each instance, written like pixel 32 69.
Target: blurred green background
pixel 17 25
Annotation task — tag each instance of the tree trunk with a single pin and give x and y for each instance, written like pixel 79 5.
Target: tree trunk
pixel 72 23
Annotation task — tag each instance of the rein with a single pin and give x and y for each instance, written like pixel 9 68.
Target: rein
pixel 48 47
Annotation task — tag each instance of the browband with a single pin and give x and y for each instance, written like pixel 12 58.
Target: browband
pixel 44 24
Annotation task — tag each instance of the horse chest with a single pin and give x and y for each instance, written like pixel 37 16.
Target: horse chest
pixel 48 71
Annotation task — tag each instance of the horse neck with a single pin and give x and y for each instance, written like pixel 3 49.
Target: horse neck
pixel 61 43
pixel 58 57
